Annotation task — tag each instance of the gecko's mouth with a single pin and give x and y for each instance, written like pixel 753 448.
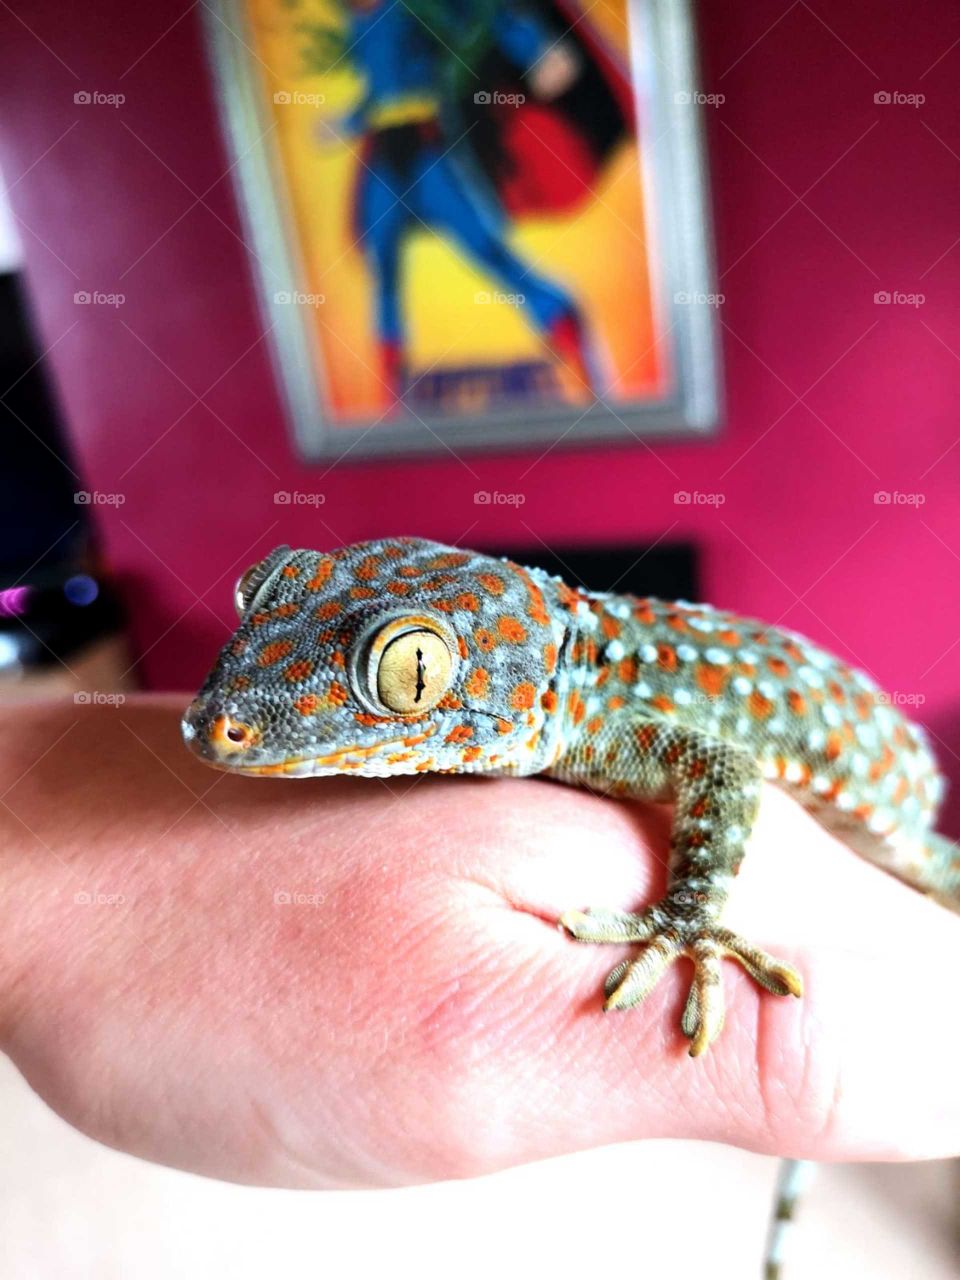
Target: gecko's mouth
pixel 223 744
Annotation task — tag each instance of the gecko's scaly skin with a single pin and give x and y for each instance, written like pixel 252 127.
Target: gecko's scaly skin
pixel 496 668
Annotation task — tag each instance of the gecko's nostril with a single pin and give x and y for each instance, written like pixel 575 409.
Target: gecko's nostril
pixel 237 733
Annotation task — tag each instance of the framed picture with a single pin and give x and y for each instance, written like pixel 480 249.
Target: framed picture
pixel 475 223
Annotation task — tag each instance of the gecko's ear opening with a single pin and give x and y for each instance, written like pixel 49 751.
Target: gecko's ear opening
pixel 250 584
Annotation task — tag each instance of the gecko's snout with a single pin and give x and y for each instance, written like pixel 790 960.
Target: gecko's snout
pixel 214 735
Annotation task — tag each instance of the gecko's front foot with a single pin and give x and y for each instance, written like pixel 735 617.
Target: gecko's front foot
pixel 664 938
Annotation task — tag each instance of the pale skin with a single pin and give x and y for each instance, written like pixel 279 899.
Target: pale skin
pixel 346 983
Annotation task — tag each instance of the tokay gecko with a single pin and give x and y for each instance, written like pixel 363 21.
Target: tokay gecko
pixel 402 656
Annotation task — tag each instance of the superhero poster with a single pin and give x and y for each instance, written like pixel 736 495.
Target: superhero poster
pixel 475 224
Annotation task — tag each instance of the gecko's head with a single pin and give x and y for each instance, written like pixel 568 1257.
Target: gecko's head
pixel 386 657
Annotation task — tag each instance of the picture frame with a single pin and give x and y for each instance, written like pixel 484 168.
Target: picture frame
pixel 510 374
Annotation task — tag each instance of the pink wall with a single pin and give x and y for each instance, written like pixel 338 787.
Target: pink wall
pixel 822 199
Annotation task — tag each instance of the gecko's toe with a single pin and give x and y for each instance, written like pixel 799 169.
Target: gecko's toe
pixel 633 980
pixel 597 924
pixel 665 939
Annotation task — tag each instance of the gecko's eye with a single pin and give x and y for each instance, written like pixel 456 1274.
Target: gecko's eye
pixel 414 672
pixel 256 578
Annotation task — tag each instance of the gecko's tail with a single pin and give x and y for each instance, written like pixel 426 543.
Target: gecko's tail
pixel 794 1177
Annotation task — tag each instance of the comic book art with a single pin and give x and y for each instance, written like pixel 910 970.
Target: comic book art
pixel 457 220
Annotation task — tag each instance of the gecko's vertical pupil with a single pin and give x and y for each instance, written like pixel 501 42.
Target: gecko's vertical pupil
pixel 421 682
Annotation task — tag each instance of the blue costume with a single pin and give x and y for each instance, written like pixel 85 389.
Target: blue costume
pixel 411 175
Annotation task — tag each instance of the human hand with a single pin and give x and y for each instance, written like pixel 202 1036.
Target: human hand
pixel 326 983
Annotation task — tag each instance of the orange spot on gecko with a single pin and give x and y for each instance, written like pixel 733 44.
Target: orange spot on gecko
pixel 666 657
pixel 298 670
pixel 337 694
pixel 366 570
pixel 459 734
pixel 523 696
pixel 711 679
pixel 361 593
pixel 759 706
pixel 470 754
pixel 490 582
pixel 291 571
pixel 549 702
pixel 778 667
pixel 728 637
pixel 511 629
pixel 610 626
pixel 327 610
pixel 834 745
pixel 550 658
pixel 576 706
pixel 307 704
pixel 662 703
pixel 398 588
pixel 468 601
pixel 797 702
pixel 272 653
pixel 485 639
pixel 321 574
pixel 478 684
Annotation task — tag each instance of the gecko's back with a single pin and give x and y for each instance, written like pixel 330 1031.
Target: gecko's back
pixel 817 728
